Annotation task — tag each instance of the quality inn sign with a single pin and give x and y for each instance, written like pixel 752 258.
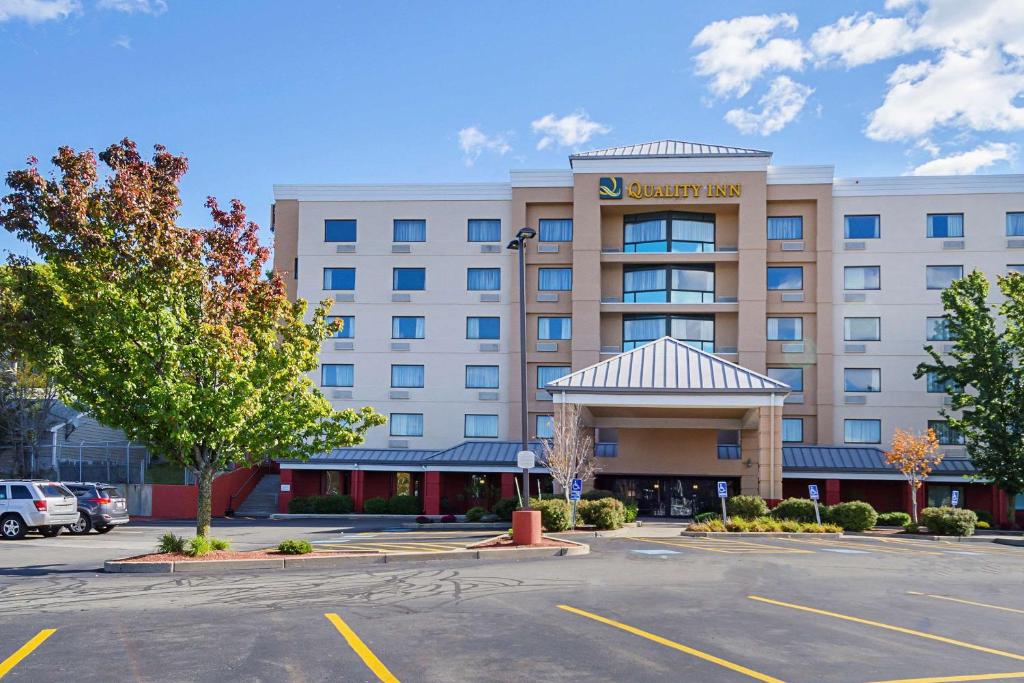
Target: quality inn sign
pixel 614 188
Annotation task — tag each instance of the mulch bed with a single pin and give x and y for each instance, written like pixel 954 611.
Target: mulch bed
pixel 506 542
pixel 239 555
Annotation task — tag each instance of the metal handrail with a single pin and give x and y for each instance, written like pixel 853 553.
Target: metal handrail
pixel 230 510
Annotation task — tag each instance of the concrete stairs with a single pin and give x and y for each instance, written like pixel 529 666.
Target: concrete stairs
pixel 262 501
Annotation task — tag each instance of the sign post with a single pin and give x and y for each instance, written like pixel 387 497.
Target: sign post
pixel 955 498
pixel 575 492
pixel 813 490
pixel 723 493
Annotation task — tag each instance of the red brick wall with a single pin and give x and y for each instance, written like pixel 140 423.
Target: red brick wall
pixel 176 501
pixel 884 496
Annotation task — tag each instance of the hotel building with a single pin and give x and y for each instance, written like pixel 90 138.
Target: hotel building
pixel 715 316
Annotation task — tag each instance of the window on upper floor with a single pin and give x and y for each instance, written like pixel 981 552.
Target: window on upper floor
pixel 937 329
pixel 554 328
pixel 935 385
pixel 407 326
pixel 727 442
pixel 348 326
pixel 861 227
pixel 940 277
pixel 406 230
pixel 483 328
pixel 1015 223
pixel 668 284
pixel 554 279
pixel 549 373
pixel 406 424
pixel 338 230
pixel 668 232
pixel 409 279
pixel 792 377
pixel 696 330
pixel 483 230
pixel 340 278
pixel 481 376
pixel 555 230
pixel 785 227
pixel 295 269
pixel 945 225
pixel 337 375
pixel 862 380
pixel 862 277
pixel 1015 268
pixel 407 376
pixel 792 429
pixel 483 279
pixel 785 329
pixel 481 427
pixel 946 435
pixel 862 329
pixel 785 277
pixel 545 427
pixel 862 431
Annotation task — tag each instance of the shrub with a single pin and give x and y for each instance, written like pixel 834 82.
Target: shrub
pixel 504 508
pixel 710 525
pixel 796 509
pixel 294 546
pixel 604 513
pixel 198 546
pixel 790 525
pixel 706 517
pixel 219 544
pixel 334 504
pixel 631 511
pixel 597 494
pixel 375 506
pixel 404 505
pixel 747 507
pixel 737 524
pixel 826 527
pixel 554 514
pixel 982 524
pixel 423 519
pixel 475 514
pixel 765 524
pixel 302 505
pixel 892 519
pixel 949 521
pixel 911 527
pixel 854 515
pixel 984 516
pixel 169 543
pixel 448 519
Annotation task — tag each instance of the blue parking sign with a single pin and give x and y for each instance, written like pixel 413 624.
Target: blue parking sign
pixel 723 489
pixel 813 489
pixel 576 489
pixel 955 497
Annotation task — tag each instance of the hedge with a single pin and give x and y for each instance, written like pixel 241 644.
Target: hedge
pixel 796 509
pixel 475 514
pixel 747 507
pixel 404 505
pixel 603 513
pixel 334 504
pixel 504 508
pixel 554 514
pixel 949 521
pixel 855 515
pixel 375 506
pixel 892 519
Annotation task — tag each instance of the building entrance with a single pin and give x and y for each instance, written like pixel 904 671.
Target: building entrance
pixel 668 496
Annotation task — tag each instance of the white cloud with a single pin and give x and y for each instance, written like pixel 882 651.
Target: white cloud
pixel 34 11
pixel 567 131
pixel 154 7
pixel 473 142
pixel 968 162
pixel 779 106
pixel 123 42
pixel 864 39
pixel 738 51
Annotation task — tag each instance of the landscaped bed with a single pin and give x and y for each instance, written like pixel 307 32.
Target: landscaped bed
pixel 505 541
pixel 240 555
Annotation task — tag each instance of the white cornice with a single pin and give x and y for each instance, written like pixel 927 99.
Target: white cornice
pixel 541 178
pixel 926 185
pixel 395 192
pixel 671 165
pixel 801 175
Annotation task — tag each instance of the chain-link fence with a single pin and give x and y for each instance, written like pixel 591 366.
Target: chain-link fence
pixel 106 461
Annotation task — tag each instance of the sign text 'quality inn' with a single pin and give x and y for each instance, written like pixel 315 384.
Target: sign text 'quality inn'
pixel 613 187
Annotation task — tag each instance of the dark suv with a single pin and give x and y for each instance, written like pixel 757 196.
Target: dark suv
pixel 102 507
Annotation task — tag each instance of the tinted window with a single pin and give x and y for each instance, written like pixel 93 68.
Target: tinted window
pixel 785 228
pixel 406 424
pixel 110 493
pixel 785 277
pixel 409 278
pixel 484 230
pixel 554 328
pixel 940 277
pixel 19 492
pixel 937 329
pixel 483 328
pixel 785 329
pixel 3 492
pixel 862 431
pixel 794 377
pixel 348 326
pixel 861 227
pixel 946 225
pixel 483 279
pixel 410 231
pixel 862 329
pixel 862 277
pixel 554 279
pixel 407 327
pixel 407 376
pixel 549 373
pixel 481 376
pixel 792 429
pixel 555 230
pixel 481 426
pixel 339 278
pixel 337 375
pixel 862 379
pixel 339 230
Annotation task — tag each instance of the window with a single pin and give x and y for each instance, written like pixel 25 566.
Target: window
pixel 788 277
pixel 348 326
pixel 696 330
pixel 861 380
pixel 407 376
pixel 410 231
pixel 862 277
pixel 545 427
pixel 862 431
pixel 785 329
pixel 554 279
pixel 937 329
pixel 483 230
pixel 406 424
pixel 785 227
pixel 669 232
pixel 555 230
pixel 339 230
pixel 1015 224
pixel 1015 268
pixel 668 284
pixel 295 269
pixel 549 373
pixel 481 426
pixel 337 375
pixel 940 277
pixel 945 225
pixel 409 279
pixel 340 278
pixel 946 435
pixel 481 376
pixel 483 328
pixel 483 279
pixel 941 495
pixel 793 377
pixel 19 492
pixel 792 429
pixel 554 328
pixel 862 329
pixel 861 227
pixel 407 327
pixel 938 386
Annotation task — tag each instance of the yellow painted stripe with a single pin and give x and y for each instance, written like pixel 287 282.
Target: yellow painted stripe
pixel 674 645
pixel 735 550
pixel 955 679
pixel 25 650
pixel 866 546
pixel 967 602
pixel 359 647
pixel 890 627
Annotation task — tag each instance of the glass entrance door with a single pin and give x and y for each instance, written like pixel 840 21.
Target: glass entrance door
pixel 668 496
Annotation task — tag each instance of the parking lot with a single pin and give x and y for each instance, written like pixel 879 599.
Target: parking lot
pixel 654 608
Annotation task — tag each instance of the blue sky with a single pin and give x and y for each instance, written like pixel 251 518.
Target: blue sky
pixel 257 93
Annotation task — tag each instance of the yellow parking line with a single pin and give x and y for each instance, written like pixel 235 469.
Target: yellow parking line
pixel 956 679
pixel 977 547
pixel 672 644
pixel 866 546
pixel 967 602
pixel 413 547
pixel 890 627
pixel 359 647
pixel 25 650
pixel 729 547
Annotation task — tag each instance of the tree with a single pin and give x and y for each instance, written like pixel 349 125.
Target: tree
pixel 982 375
pixel 569 454
pixel 27 401
pixel 174 335
pixel 915 455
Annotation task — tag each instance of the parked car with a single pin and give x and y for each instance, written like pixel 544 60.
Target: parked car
pixel 35 504
pixel 100 506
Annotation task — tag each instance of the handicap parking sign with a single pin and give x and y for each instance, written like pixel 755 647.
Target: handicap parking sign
pixel 955 497
pixel 813 489
pixel 723 489
pixel 575 489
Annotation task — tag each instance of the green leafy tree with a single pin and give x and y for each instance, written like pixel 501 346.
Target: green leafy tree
pixel 982 375
pixel 174 335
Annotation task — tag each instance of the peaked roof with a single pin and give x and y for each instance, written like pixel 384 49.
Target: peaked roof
pixel 859 459
pixel 667 365
pixel 667 149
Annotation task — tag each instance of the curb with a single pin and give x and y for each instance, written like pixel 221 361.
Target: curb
pixel 458 526
pixel 410 518
pixel 757 534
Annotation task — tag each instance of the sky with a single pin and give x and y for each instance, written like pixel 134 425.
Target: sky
pixel 257 93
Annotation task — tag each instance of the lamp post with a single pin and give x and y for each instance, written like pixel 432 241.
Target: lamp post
pixel 519 244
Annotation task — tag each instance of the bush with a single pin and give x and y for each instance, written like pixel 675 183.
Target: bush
pixel 169 543
pixel 475 514
pixel 554 514
pixel 219 544
pixel 949 521
pixel 710 525
pixel 892 519
pixel 982 524
pixel 911 527
pixel 302 505
pixel 404 505
pixel 986 517
pixel 597 494
pixel 631 512
pixel 375 506
pixel 604 513
pixel 796 509
pixel 198 546
pixel 825 528
pixel 448 519
pixel 737 524
pixel 855 515
pixel 764 524
pixel 747 507
pixel 706 517
pixel 334 504
pixel 504 508
pixel 790 525
pixel 294 546
pixel 423 519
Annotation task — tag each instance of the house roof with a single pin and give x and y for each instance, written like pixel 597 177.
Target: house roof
pixel 667 365
pixel 375 456
pixel 482 453
pixel 856 459
pixel 662 149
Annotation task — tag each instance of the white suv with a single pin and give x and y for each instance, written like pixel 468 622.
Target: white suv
pixel 26 504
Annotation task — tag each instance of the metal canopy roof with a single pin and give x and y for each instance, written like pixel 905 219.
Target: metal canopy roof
pixel 667 365
pixel 375 456
pixel 669 149
pixel 482 453
pixel 856 458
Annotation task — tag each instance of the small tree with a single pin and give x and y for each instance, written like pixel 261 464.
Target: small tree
pixel 915 456
pixel 569 454
pixel 27 402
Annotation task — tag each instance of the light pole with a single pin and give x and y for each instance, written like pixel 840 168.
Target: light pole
pixel 519 244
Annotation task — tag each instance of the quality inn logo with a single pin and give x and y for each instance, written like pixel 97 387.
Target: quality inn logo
pixel 610 188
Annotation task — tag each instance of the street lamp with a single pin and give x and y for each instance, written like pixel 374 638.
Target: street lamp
pixel 519 244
